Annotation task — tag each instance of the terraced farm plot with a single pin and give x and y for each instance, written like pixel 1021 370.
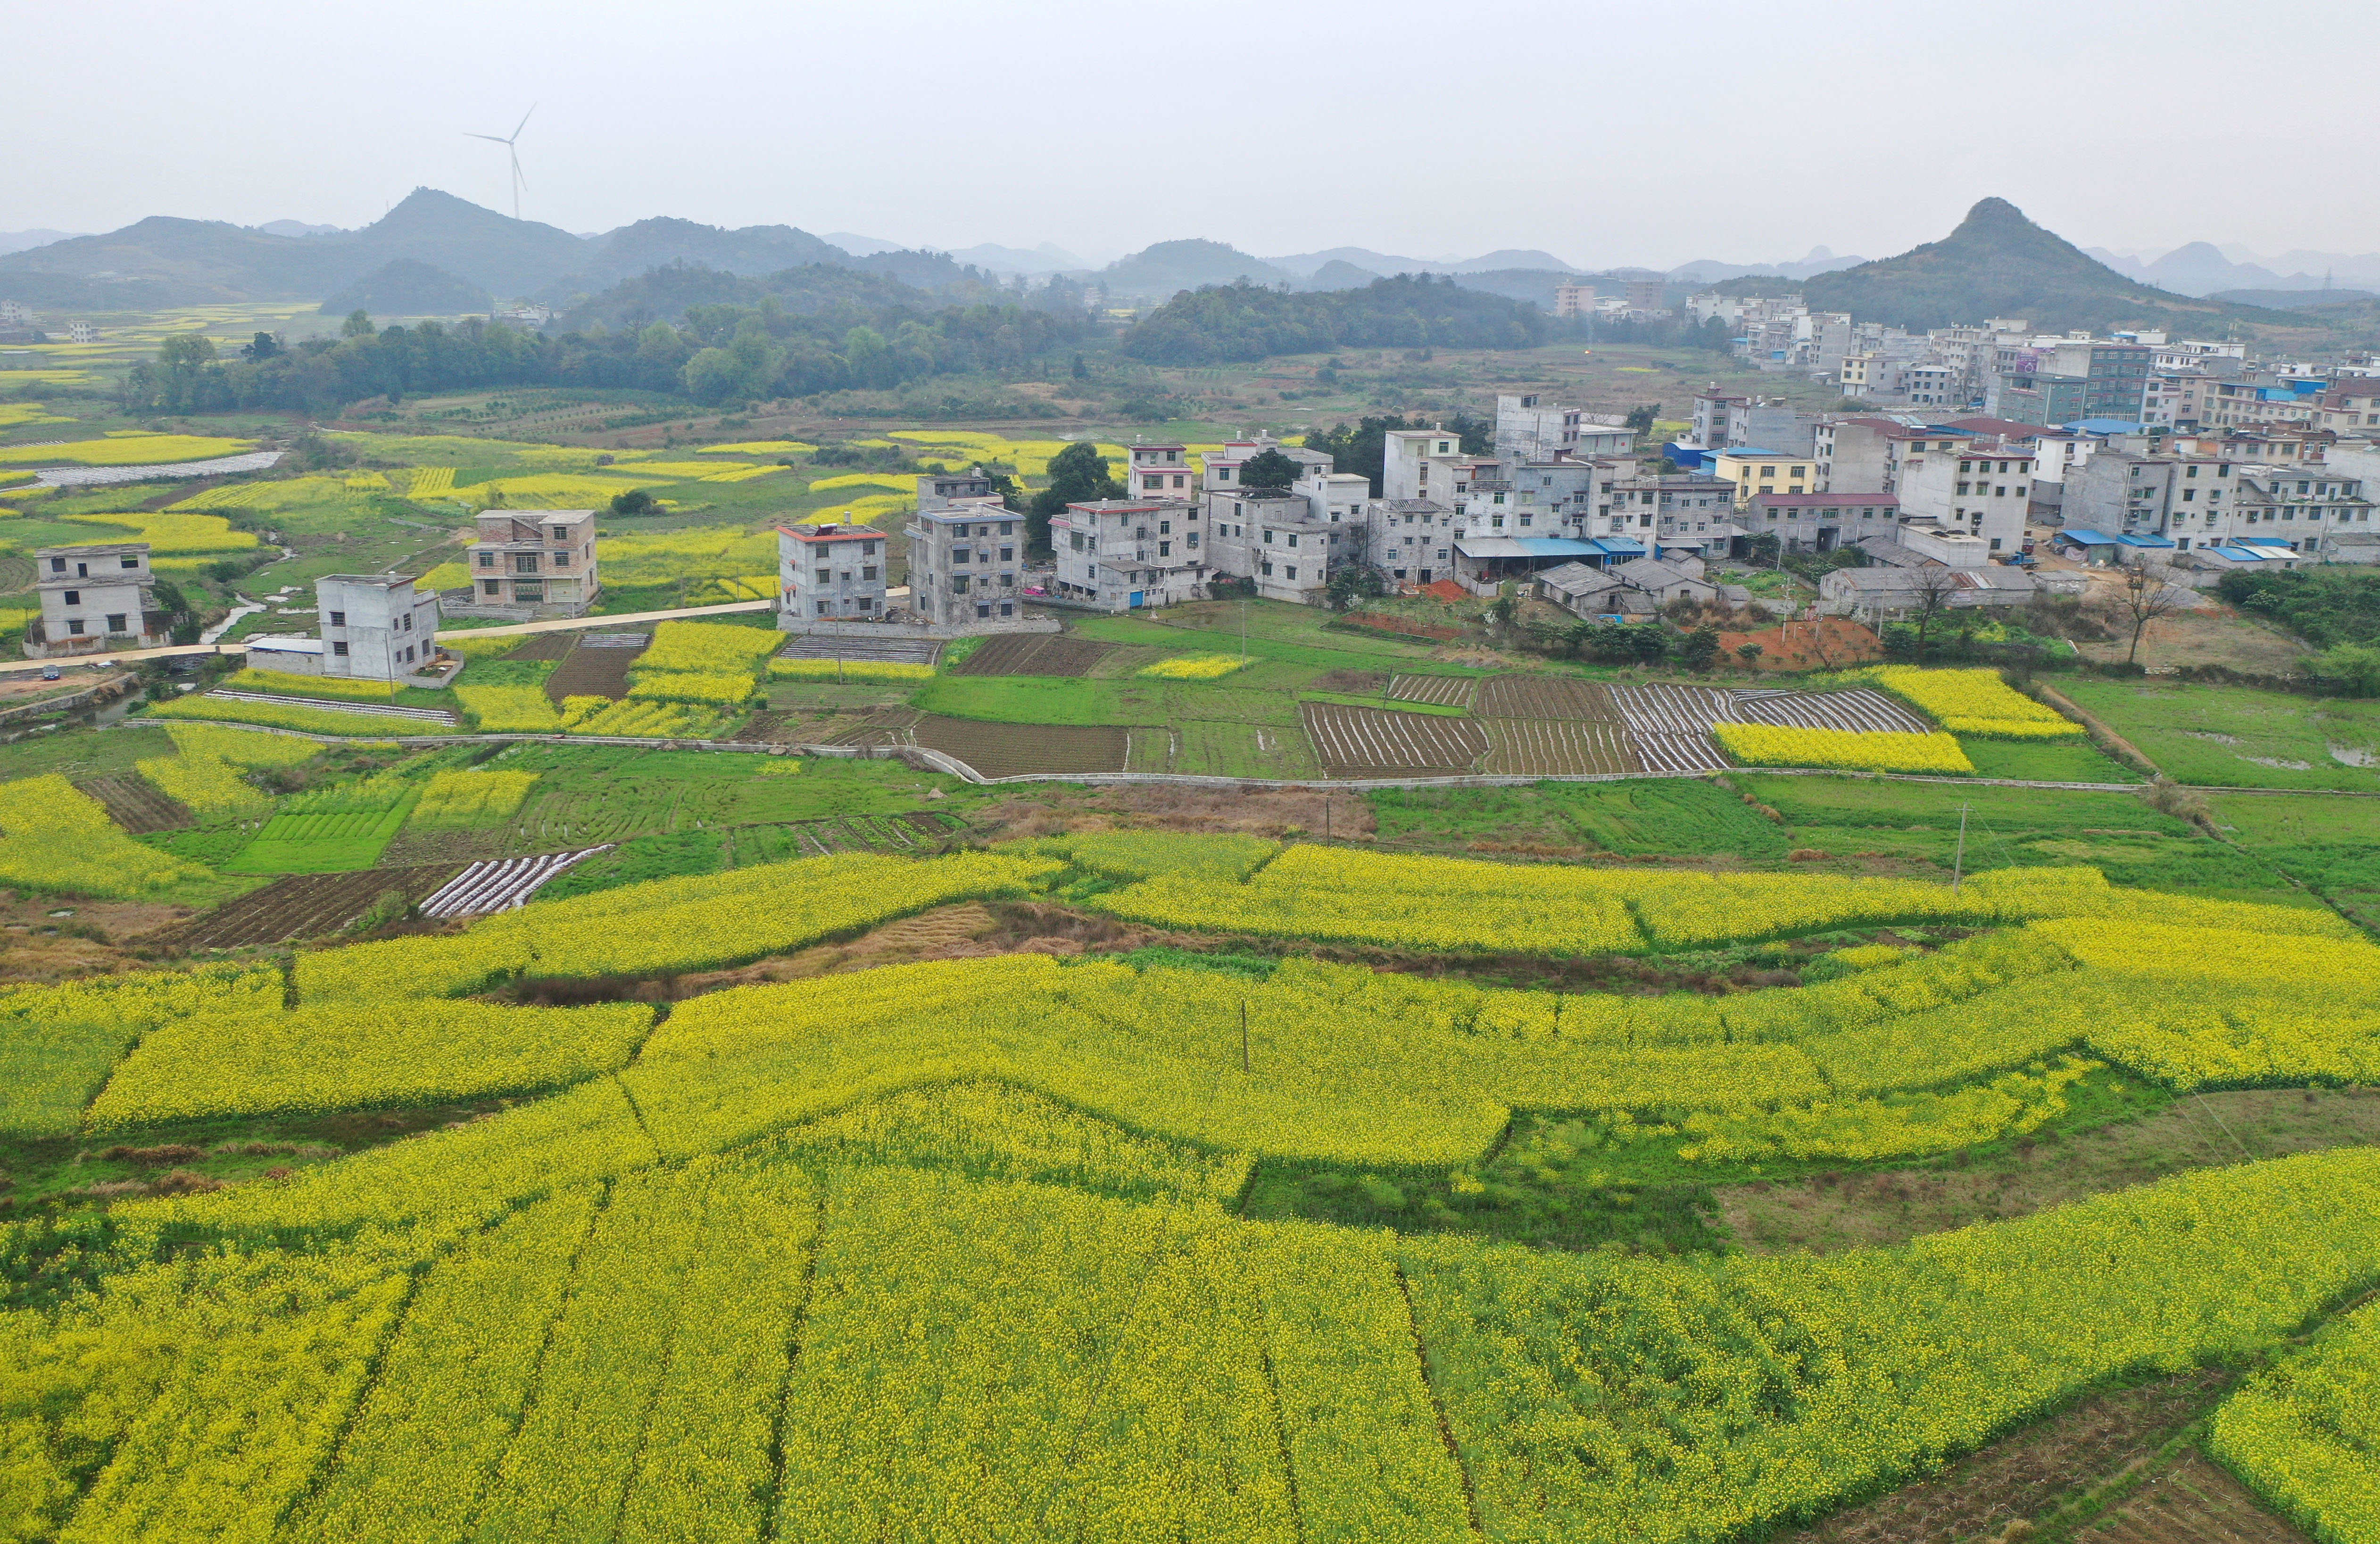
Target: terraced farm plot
pixel 1353 683
pixel 1377 743
pixel 1858 709
pixel 398 716
pixel 890 651
pixel 597 668
pixel 916 833
pixel 1208 748
pixel 1526 696
pixel 301 906
pixel 1441 691
pixel 1036 653
pixel 1672 709
pixel 136 806
pixel 886 726
pixel 1558 747
pixel 1008 750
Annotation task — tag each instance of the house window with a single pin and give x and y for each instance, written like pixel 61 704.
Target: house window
pixel 826 608
pixel 74 625
pixel 340 649
pixel 74 597
pixel 1293 570
pixel 867 573
pixel 1267 566
pixel 562 560
pixel 490 586
pixel 130 562
pixel 487 560
pixel 825 576
pixel 116 621
pixel 524 562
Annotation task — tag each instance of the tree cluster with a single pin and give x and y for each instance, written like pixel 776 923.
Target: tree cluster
pixel 1365 447
pixel 1241 322
pixel 719 354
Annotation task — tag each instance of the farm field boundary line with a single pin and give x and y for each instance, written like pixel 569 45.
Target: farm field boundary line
pixel 959 769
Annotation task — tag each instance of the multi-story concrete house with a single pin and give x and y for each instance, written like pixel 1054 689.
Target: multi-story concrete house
pixel 2121 492
pixel 1160 472
pixel 1818 522
pixel 1985 491
pixel 1694 509
pixel 2308 507
pixel 542 561
pixel 95 599
pixel 1877 454
pixel 2260 400
pixel 1722 421
pixel 1529 429
pixel 371 627
pixel 967 562
pixel 1223 466
pixel 1278 541
pixel 1419 464
pixel 830 573
pixel 1755 469
pixel 1119 554
pixel 938 491
pixel 1411 539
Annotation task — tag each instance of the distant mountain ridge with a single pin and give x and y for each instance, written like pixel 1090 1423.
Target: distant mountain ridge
pixel 1998 264
pixel 165 261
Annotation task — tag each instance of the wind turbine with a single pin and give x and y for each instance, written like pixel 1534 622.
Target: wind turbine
pixel 512 147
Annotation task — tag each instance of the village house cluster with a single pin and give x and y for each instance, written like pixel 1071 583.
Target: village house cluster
pixel 1959 449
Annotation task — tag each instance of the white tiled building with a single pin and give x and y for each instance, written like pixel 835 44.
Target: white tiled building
pixel 830 572
pixel 373 627
pixel 1117 554
pixel 966 563
pixel 93 600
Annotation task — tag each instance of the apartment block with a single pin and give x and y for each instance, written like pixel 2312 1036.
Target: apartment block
pixel 1530 429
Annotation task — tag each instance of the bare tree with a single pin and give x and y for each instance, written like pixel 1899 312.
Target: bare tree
pixel 2149 593
pixel 1929 593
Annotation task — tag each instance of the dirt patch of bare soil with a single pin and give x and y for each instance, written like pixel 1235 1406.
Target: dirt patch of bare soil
pixel 1835 1211
pixel 1275 812
pixel 2216 636
pixel 1356 683
pixel 2194 1501
pixel 2036 1473
pixel 91 938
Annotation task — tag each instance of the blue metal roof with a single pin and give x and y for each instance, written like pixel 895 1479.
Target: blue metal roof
pixel 1619 546
pixel 2087 539
pixel 2242 554
pixel 2261 541
pixel 2130 541
pixel 1559 547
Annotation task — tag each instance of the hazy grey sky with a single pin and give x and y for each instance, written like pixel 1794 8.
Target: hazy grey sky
pixel 1739 130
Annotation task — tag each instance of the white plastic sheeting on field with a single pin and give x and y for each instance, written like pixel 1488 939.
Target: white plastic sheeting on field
pixel 500 884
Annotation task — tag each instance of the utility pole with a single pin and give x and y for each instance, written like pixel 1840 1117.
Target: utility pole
pixel 1958 863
